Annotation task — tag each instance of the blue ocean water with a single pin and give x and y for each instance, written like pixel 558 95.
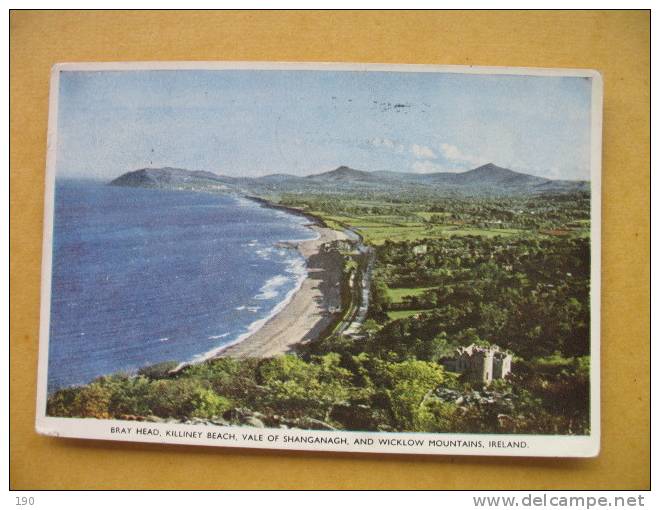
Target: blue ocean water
pixel 142 276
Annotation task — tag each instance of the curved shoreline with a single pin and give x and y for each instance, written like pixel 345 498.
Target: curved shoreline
pixel 311 308
pixel 307 310
pixel 291 210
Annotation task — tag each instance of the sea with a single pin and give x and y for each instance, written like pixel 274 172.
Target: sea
pixel 142 276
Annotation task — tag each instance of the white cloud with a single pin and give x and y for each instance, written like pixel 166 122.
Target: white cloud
pixel 450 151
pixel 422 152
pixel 453 153
pixel 428 167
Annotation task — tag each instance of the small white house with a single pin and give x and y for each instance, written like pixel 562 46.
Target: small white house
pixel 420 249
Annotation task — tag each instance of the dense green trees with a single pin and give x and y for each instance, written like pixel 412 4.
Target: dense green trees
pixel 528 295
pixel 388 395
pixel 346 391
pixel 120 396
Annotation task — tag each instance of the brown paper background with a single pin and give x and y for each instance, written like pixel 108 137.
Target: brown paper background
pixel 616 43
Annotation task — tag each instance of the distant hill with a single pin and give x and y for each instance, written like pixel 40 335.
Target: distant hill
pixel 171 178
pixel 494 175
pixel 277 178
pixel 488 179
pixel 346 174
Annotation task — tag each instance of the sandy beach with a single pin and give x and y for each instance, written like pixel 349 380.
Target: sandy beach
pixel 308 313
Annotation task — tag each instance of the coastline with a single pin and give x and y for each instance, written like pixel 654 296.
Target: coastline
pixel 309 310
pixel 303 314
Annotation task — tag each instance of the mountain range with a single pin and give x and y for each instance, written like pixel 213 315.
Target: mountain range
pixel 484 180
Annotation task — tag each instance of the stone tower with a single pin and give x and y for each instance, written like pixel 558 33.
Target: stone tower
pixel 482 364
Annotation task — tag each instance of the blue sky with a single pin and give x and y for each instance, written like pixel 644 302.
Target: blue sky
pixel 250 123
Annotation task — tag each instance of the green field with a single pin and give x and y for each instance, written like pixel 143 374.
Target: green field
pixel 485 232
pixel 377 235
pixel 402 314
pixel 397 295
pixel 412 225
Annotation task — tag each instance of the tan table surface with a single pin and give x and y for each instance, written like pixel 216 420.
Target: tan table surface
pixel 616 43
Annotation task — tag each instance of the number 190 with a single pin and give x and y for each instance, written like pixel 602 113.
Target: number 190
pixel 24 501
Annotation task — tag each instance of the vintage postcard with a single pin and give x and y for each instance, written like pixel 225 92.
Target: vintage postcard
pixel 346 257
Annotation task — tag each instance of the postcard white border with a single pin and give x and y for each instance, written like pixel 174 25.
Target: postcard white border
pixel 534 445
